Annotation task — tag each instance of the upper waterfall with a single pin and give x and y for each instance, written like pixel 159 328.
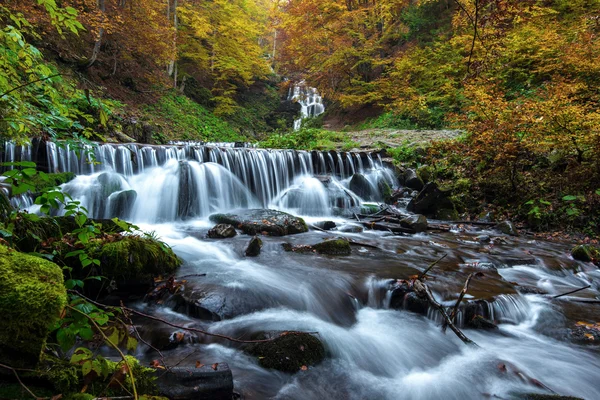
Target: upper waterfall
pixel 309 99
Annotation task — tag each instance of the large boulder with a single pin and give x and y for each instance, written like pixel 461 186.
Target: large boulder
pixel 32 297
pixel 270 222
pixel 430 200
pixel 288 351
pixel 412 180
pixel 121 203
pixel 222 231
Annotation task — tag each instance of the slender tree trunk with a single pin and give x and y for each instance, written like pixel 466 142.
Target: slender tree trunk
pixel 102 7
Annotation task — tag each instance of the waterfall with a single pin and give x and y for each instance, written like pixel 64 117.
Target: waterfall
pixel 147 183
pixel 310 101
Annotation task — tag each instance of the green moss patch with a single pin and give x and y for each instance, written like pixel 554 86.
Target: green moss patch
pixel 32 296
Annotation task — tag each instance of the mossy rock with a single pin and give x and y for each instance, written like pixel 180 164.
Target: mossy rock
pixel 447 214
pixel 288 353
pixel 136 258
pixel 256 221
pixel 334 247
pixel 587 253
pixel 32 296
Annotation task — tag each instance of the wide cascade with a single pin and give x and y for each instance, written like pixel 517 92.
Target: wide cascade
pixel 174 182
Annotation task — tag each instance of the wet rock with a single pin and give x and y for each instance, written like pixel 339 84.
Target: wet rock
pixel 416 222
pixel 385 191
pixel 163 337
pixel 530 290
pixel 222 231
pixel 483 239
pixel 334 247
pixel 424 172
pixel 121 203
pixel 507 228
pixel 412 180
pixel 204 382
pixel 216 303
pixel 361 186
pixel 270 222
pixel 289 352
pixel 350 228
pixel 254 246
pixel 430 200
pixel 325 225
pixel 404 298
pixel 587 253
pixel 369 208
pixel 513 261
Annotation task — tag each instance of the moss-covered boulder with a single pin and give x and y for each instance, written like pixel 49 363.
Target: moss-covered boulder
pixel 137 258
pixel 289 352
pixel 32 296
pixel 256 221
pixel 333 247
pixel 586 252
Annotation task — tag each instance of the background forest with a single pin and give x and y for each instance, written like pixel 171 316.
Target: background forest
pixel 520 78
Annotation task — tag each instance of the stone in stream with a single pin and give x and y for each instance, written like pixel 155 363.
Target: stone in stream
pixel 222 231
pixel 507 227
pixel 325 225
pixel 254 246
pixel 121 203
pixel 361 186
pixel 214 382
pixel 412 180
pixel 332 247
pixel 416 222
pixel 430 201
pixel 288 351
pixel 255 221
pixel 586 252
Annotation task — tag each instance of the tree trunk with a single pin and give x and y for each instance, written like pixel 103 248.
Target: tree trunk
pixel 102 7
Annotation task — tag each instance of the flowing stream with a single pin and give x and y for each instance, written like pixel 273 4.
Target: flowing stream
pixel 376 349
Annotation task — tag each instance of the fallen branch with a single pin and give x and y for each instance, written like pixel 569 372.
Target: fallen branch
pixel 572 291
pixel 431 266
pixel 423 291
pixel 462 295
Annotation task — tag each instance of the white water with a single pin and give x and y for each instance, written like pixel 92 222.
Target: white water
pixel 310 101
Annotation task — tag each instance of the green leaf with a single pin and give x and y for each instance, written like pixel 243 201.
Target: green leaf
pixel 598 192
pixel 569 198
pixel 81 353
pixel 65 338
pixel 86 368
pixel 86 333
pixel 131 343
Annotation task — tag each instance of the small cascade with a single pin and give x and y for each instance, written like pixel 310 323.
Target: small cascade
pixel 171 182
pixel 310 101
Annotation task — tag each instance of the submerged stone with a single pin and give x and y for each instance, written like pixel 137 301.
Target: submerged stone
pixel 254 247
pixel 288 352
pixel 32 296
pixel 222 231
pixel 270 222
